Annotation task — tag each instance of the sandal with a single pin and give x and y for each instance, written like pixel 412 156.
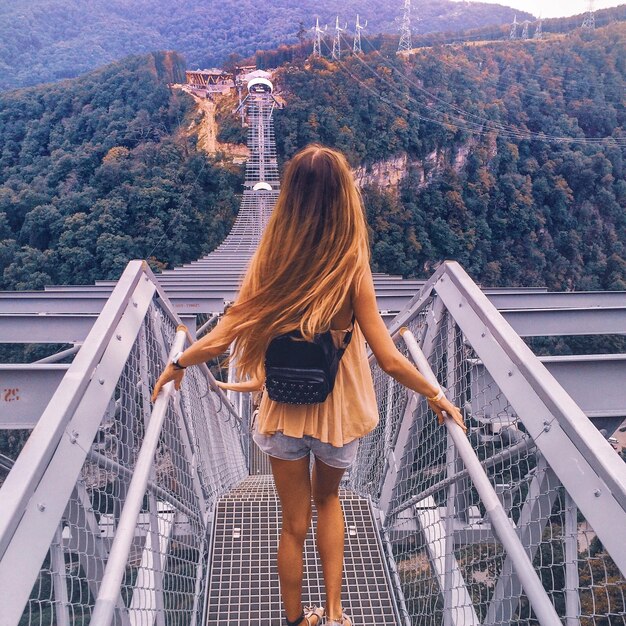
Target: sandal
pixel 344 620
pixel 307 613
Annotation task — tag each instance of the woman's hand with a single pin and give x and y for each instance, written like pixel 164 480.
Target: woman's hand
pixel 168 374
pixel 452 411
pixel 243 387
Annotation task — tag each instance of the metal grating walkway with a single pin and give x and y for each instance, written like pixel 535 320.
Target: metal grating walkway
pixel 243 582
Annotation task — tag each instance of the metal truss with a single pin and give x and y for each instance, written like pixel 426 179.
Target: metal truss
pixel 523 519
pixel 112 495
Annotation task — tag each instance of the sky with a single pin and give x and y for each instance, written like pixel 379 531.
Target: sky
pixel 553 8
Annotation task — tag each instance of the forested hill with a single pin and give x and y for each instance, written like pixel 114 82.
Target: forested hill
pixel 511 156
pixel 46 40
pixel 99 170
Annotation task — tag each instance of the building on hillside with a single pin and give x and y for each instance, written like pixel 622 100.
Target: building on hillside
pixel 211 81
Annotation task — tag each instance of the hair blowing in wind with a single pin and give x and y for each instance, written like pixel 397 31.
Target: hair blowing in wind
pixel 313 252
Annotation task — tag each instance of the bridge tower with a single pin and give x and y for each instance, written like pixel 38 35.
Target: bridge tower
pixel 356 47
pixel 405 29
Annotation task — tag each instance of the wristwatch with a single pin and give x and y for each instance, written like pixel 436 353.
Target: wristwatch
pixel 175 362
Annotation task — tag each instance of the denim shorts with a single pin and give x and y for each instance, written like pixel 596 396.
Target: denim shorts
pixel 293 448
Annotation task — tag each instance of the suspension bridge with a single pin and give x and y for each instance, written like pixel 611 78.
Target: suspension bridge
pixel 121 512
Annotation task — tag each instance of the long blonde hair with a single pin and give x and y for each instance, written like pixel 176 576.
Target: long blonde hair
pixel 314 249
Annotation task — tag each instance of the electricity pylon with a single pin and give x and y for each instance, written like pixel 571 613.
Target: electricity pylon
pixel 317 41
pixel 589 23
pixel 525 30
pixel 539 31
pixel 513 33
pixel 356 48
pixel 337 40
pixel 405 29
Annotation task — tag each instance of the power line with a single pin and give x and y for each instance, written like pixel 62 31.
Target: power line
pixel 497 83
pixel 482 124
pixel 458 123
pixel 445 124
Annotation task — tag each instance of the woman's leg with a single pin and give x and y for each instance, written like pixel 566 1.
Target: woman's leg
pixel 330 532
pixel 293 485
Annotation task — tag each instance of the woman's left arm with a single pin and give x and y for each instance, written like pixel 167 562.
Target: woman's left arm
pixel 211 345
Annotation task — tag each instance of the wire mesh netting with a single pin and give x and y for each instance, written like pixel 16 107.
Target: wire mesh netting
pixel 198 458
pixel 451 566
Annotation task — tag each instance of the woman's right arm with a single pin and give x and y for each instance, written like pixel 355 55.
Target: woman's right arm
pixel 390 359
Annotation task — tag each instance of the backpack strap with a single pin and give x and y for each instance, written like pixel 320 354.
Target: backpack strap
pixel 346 339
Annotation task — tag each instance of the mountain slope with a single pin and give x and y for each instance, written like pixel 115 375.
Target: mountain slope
pixel 45 40
pixel 512 154
pixel 99 170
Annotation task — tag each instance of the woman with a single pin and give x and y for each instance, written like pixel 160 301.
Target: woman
pixel 311 272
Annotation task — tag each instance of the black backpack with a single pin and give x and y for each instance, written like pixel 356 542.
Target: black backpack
pixel 302 372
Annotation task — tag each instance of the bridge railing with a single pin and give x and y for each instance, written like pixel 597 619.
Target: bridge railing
pixel 105 474
pixel 531 461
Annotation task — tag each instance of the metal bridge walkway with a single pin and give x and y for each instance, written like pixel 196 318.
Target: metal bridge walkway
pixel 243 580
pixel 120 512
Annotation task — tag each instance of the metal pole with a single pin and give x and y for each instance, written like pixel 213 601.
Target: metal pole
pixel 116 564
pixel 54 358
pixel 59 579
pixel 388 557
pixel 155 540
pixel 109 464
pixel 572 582
pixel 540 601
pixel 205 327
pixel 501 457
pixel 451 470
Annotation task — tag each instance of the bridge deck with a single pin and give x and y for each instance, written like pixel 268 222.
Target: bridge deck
pixel 243 584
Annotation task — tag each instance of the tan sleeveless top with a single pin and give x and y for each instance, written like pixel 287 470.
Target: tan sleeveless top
pixel 349 412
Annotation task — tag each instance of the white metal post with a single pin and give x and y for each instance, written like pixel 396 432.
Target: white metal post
pixel 59 579
pixel 116 564
pixel 572 583
pixel 157 564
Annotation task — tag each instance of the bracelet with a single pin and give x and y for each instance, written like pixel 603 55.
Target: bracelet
pixel 437 397
pixel 175 364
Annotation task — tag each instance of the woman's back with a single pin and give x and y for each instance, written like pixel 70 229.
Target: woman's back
pixel 349 412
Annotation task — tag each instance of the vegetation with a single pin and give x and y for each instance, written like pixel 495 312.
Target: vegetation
pixel 549 27
pixel 484 185
pixel 98 171
pixel 46 40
